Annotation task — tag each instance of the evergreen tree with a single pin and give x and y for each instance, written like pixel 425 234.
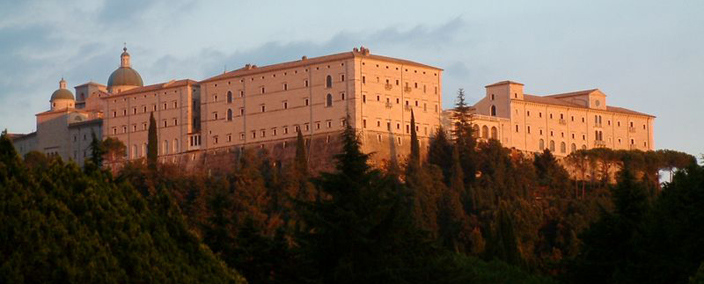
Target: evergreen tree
pixel 97 151
pixel 359 232
pixel 464 138
pixel 440 153
pixel 551 174
pixel 301 159
pixel 503 244
pixel 414 157
pixel 152 144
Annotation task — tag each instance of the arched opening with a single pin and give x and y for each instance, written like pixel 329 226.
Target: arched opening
pixel 229 115
pixel 328 82
pixel 229 97
pixel 573 148
pixel 584 147
pixel 541 144
pixel 134 152
pixel 475 132
pixel 175 145
pixel 563 147
pixel 328 100
pixel 485 131
pixel 166 146
pixel 494 133
pixel 493 110
pixel 552 146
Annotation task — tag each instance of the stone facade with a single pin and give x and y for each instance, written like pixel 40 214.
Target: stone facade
pixel 562 123
pixel 252 107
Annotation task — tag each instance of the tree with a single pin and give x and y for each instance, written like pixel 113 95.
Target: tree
pixel 551 174
pixel 464 138
pixel 152 144
pixel 414 157
pixel 301 159
pixel 97 151
pixel 440 153
pixel 359 232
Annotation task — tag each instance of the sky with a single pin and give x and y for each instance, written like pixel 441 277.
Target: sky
pixel 644 55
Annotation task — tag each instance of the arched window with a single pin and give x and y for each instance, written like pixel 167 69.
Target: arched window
pixel 328 99
pixel 166 146
pixel 493 110
pixel 584 147
pixel 552 145
pixel 475 133
pixel 144 149
pixel 494 133
pixel 563 147
pixel 134 152
pixel 175 145
pixel 485 131
pixel 229 97
pixel 328 82
pixel 573 148
pixel 541 144
pixel 229 115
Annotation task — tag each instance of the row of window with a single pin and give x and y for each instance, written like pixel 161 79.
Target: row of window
pixel 284 105
pixel 597 118
pixel 328 84
pixel 165 149
pixel 164 123
pixel 398 101
pixel 262 133
pixel 283 73
pixel 165 106
pixel 398 126
pixel 145 96
pixel 407 86
pixel 406 69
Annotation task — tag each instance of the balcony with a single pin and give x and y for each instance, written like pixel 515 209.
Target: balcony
pixel 407 89
pixel 388 86
pixel 388 105
pixel 599 143
pixel 563 122
pixel 632 129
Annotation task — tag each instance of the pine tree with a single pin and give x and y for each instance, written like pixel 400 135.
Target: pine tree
pixel 464 138
pixel 152 144
pixel 440 153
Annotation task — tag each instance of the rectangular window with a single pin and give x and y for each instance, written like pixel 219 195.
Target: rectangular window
pixel 364 123
pixel 307 102
pixel 329 123
pixel 241 111
pixel 263 108
pixel 285 87
pixel 285 103
pixel 285 130
pixel 305 83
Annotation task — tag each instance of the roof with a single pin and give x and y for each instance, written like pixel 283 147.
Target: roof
pixel 125 76
pixel 554 100
pixel 576 93
pixel 89 83
pixel 503 83
pixel 253 69
pixel 159 86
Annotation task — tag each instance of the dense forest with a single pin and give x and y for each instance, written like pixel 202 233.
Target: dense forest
pixel 469 212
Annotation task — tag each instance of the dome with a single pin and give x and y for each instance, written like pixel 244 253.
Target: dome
pixel 62 94
pixel 125 76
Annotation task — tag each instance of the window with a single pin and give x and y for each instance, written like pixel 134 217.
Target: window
pixel 329 123
pixel 552 146
pixel 307 102
pixel 285 130
pixel 175 123
pixel 541 144
pixel 364 123
pixel 134 110
pixel 328 81
pixel 175 145
pixel 563 147
pixel 485 132
pixel 144 108
pixel 229 138
pixel 165 123
pixel 493 110
pixel 305 83
pixel 516 127
pixel 263 107
pixel 342 77
pixel 342 96
pixel 573 147
pixel 328 100
pixel 229 97
pixel 166 146
pixel 528 130
pixel 364 98
pixel 241 111
pixel 364 79
pixel 241 93
pixel 492 97
pixel 494 133
pixel 229 115
pixel 285 103
pixel 263 90
pixel 285 87
pixel 215 115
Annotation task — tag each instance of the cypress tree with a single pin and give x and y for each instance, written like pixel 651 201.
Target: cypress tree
pixel 152 144
pixel 301 160
pixel 97 151
pixel 415 147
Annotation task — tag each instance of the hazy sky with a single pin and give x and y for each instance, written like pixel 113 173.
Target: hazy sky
pixel 645 55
